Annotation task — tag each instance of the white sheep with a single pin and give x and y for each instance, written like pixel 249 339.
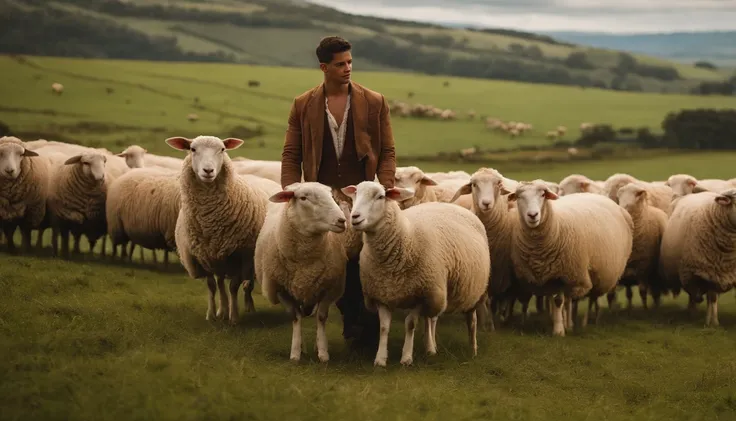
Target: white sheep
pixel 415 179
pixel 577 183
pixel 649 225
pixel 300 259
pixel 569 247
pixel 491 207
pixel 683 184
pixel 699 247
pixel 142 207
pixel 431 258
pixel 57 88
pixel 219 221
pixel 266 169
pixel 138 157
pixel 24 178
pixel 77 196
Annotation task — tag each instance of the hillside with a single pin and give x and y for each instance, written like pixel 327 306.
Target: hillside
pixel 283 33
pixel 687 47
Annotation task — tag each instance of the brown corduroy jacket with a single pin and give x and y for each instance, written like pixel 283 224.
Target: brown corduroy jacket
pixel 374 141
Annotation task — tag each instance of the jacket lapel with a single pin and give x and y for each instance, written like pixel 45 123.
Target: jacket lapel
pixel 316 118
pixel 359 111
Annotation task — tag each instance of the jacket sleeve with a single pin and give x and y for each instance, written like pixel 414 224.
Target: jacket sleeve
pixel 386 171
pixel 291 156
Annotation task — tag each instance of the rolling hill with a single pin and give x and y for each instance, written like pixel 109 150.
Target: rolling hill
pixel 283 33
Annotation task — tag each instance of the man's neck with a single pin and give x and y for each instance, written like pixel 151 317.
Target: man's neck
pixel 339 89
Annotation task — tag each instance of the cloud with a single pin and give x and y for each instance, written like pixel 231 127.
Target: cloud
pixel 616 16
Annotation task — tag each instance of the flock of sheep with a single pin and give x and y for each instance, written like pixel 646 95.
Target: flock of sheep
pixel 434 244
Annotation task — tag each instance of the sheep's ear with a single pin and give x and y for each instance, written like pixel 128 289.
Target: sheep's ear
pixel 692 182
pixel 641 193
pixel 584 185
pixel 232 143
pixel 511 196
pixel 724 200
pixel 282 196
pixel 27 152
pixel 504 190
pixel 399 194
pixel 122 154
pixel 179 143
pixel 73 160
pixel 465 189
pixel 550 195
pixel 349 191
pixel 427 181
pixel 699 189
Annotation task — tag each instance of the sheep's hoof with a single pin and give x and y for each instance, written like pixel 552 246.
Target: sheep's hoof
pixel 210 316
pixel 379 362
pixel 323 356
pixel 407 361
pixel 295 358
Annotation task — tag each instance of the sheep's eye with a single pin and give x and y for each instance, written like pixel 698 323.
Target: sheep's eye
pixel 85 163
pixel 381 197
pixel 223 150
pixel 193 150
pixel 303 198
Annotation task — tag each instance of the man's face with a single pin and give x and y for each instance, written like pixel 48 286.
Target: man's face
pixel 339 69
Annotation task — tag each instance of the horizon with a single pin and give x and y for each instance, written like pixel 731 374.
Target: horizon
pixel 608 17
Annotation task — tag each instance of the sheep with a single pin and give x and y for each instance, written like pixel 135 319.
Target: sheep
pixel 413 178
pixel 300 260
pixel 699 247
pixel 577 183
pixel 24 188
pixel 491 207
pixel 77 196
pixel 138 157
pixel 450 175
pixel 408 260
pixel 57 88
pixel 219 221
pixel 649 225
pixel 192 117
pixel 569 247
pixel 659 196
pixel 683 184
pixel 266 169
pixel 142 207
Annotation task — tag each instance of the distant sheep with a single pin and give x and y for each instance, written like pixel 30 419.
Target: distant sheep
pixel 57 88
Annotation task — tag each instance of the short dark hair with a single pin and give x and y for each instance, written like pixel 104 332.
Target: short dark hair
pixel 329 46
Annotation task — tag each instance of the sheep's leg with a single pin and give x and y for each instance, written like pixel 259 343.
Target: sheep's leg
pixel 510 309
pixel 234 287
pixel 77 240
pixel 9 231
pixel 433 324
pixel 656 297
pixel 322 312
pixel 166 259
pixel 26 239
pixel 296 326
pixel 155 257
pixel 103 246
pixel 224 309
pixel 485 316
pixel 629 298
pixel 570 306
pixel 212 286
pixel 65 243
pixel 248 303
pixel 410 324
pixel 711 317
pixel 558 326
pixel 92 244
pixel 692 304
pixel 524 309
pixel 55 241
pixel 130 251
pixel 140 254
pixel 643 294
pixel 539 304
pixel 429 344
pixel 597 312
pixel 384 316
pixel 472 323
pixel 586 316
pixel 611 296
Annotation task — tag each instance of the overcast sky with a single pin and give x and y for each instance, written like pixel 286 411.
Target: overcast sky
pixel 616 16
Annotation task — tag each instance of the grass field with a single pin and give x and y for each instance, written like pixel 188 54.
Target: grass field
pixel 151 101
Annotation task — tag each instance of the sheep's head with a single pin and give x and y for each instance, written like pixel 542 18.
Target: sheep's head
pixel 133 156
pixel 530 197
pixel 485 185
pixel 615 182
pixel 632 196
pixel 727 199
pixel 312 207
pixel 208 153
pixel 370 204
pixel 11 155
pixel 684 184
pixel 414 179
pixel 92 164
pixel 576 183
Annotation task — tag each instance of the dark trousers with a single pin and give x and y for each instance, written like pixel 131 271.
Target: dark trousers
pixel 360 327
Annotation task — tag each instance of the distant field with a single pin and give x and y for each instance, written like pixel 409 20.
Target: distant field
pixel 151 101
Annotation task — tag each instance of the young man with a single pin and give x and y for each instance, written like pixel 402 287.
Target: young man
pixel 339 134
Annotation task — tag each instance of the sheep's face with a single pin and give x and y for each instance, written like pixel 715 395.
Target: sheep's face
pixel 312 207
pixel 614 183
pixel 92 164
pixel 631 196
pixel 681 184
pixel 727 199
pixel 414 179
pixel 486 186
pixel 575 184
pixel 530 199
pixel 370 201
pixel 134 156
pixel 208 153
pixel 11 155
